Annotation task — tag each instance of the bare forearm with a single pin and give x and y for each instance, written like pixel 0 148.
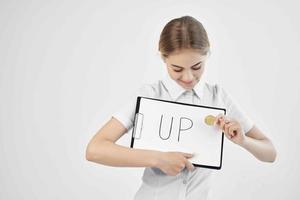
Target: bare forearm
pixel 108 153
pixel 261 149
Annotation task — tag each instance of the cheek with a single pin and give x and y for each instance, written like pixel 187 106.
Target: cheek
pixel 199 73
pixel 176 75
pixel 173 74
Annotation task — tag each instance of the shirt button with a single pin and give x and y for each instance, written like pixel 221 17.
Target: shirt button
pixel 184 182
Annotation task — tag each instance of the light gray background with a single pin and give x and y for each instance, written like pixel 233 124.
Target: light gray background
pixel 66 66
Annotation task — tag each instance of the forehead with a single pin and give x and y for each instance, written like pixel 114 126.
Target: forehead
pixel 185 58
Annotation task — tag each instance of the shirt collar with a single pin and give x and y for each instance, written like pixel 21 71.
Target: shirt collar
pixel 175 90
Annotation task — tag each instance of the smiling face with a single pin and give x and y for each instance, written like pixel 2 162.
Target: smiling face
pixel 185 67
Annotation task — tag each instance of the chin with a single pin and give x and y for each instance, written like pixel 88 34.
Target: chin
pixel 188 87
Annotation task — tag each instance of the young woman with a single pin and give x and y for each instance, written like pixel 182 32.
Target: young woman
pixel 184 47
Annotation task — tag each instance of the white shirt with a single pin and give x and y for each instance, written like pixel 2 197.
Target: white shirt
pixel 186 185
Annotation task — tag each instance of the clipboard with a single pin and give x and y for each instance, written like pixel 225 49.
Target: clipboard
pixel 175 126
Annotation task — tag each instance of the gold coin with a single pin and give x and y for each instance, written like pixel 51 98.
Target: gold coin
pixel 209 120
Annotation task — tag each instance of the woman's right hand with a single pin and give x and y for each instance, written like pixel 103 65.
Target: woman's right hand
pixel 172 163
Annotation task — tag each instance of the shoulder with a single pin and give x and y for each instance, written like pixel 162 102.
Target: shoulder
pixel 215 89
pixel 150 89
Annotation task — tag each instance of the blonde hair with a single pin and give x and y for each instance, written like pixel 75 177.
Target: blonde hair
pixel 183 33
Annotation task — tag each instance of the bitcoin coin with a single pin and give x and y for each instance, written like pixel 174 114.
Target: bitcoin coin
pixel 209 120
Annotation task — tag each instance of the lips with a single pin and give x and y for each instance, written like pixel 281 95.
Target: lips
pixel 186 83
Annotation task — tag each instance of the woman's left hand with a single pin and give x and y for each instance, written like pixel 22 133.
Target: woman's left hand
pixel 231 128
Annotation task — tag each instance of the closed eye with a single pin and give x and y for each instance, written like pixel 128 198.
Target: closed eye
pixel 194 68
pixel 197 68
pixel 178 70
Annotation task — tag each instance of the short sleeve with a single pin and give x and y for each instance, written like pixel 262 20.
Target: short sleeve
pixel 233 110
pixel 125 113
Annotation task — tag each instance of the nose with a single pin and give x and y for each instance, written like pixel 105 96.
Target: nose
pixel 187 77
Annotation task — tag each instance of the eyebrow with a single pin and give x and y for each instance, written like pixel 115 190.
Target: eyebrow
pixel 183 67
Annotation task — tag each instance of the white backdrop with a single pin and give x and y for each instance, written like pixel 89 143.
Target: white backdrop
pixel 66 66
